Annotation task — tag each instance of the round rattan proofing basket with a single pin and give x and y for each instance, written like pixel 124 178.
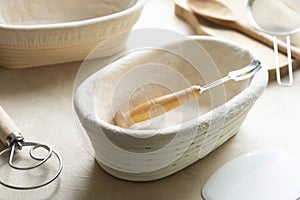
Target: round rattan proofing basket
pixel 151 153
pixel 37 33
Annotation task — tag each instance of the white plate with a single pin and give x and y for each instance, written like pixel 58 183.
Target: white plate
pixel 260 175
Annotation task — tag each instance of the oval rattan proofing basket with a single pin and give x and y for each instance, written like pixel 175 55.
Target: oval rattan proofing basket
pixel 50 32
pixel 141 155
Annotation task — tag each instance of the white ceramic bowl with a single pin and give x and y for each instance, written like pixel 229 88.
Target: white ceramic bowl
pixel 36 33
pixel 143 155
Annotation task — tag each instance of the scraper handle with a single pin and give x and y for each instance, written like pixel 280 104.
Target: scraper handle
pixel 7 126
pixel 156 107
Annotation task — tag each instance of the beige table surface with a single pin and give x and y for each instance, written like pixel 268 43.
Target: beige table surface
pixel 40 102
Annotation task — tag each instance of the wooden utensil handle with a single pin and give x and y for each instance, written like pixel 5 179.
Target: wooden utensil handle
pixel 7 126
pixel 267 40
pixel 156 107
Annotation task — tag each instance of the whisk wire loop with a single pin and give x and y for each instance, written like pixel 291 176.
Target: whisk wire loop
pixel 15 142
pixel 31 154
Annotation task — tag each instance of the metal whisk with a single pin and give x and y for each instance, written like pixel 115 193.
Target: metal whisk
pixel 11 136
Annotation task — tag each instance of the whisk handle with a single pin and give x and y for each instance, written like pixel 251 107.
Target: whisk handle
pixel 156 107
pixel 7 126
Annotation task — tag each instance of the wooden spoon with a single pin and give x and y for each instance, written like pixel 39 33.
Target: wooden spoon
pixel 217 12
